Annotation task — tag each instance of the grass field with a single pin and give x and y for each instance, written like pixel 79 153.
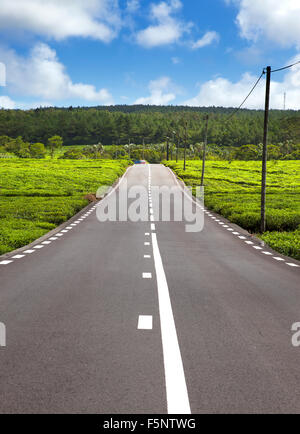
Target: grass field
pixel 232 189
pixel 38 195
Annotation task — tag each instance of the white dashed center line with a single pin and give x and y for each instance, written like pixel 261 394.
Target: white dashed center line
pixel 147 275
pixel 145 322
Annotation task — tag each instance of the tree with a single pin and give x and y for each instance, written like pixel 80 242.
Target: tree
pixel 54 142
pixel 23 150
pixel 37 150
pixel 72 154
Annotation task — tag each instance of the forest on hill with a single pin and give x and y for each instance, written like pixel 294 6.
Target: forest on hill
pixel 119 125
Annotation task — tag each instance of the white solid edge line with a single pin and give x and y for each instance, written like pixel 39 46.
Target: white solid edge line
pixel 176 389
pixel 145 322
pixel 184 192
pixel 117 186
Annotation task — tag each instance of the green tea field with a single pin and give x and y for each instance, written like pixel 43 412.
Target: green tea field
pixel 38 195
pixel 232 189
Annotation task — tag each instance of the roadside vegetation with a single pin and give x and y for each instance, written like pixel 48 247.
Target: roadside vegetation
pixel 232 189
pixel 38 195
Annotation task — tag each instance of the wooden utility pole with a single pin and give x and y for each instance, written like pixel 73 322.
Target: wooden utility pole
pixel 177 147
pixel 204 150
pixel 168 148
pixel 143 149
pixel 185 143
pixel 265 153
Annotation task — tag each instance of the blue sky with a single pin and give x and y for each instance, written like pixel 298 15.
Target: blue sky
pixel 192 52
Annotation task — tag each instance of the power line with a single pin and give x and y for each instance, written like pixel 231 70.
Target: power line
pixel 286 67
pixel 258 80
pixel 264 71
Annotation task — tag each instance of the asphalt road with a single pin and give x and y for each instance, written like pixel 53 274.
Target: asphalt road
pixel 144 317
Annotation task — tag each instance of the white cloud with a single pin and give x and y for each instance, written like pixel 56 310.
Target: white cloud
pixel 7 103
pixel 223 92
pixel 59 19
pixel 276 20
pixel 167 29
pixel 2 74
pixel 157 90
pixel 133 5
pixel 207 39
pixel 41 75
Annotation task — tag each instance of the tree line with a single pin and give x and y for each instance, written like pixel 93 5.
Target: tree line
pixel 125 125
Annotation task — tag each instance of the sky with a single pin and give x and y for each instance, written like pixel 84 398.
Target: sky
pixel 178 52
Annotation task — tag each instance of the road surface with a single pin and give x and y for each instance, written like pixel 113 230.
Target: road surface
pixel 144 317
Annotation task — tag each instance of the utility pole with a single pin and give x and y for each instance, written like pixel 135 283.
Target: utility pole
pixel 204 150
pixel 177 146
pixel 284 101
pixel 172 145
pixel 143 148
pixel 265 154
pixel 168 138
pixel 185 143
